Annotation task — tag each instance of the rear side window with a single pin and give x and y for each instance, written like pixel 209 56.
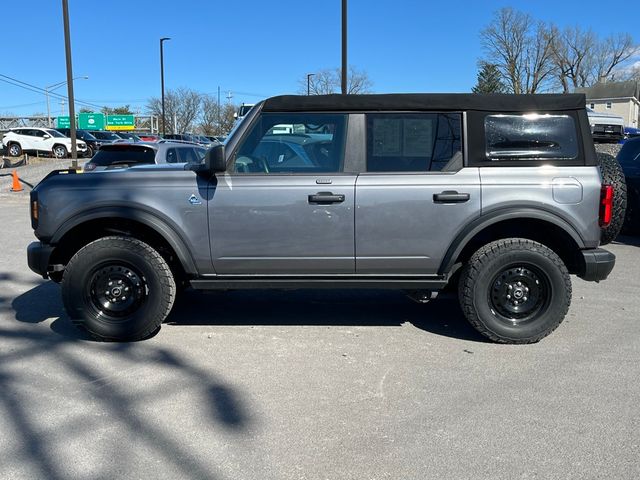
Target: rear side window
pixel 530 137
pixel 123 156
pixel 414 142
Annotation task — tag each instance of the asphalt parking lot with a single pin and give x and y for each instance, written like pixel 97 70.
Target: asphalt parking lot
pixel 316 385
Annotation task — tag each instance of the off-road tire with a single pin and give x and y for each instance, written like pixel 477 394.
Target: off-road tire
pixel 481 283
pixel 14 149
pixel 127 263
pixel 612 174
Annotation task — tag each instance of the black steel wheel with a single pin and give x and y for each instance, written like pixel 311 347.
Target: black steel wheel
pixel 519 294
pixel 515 290
pixel 118 288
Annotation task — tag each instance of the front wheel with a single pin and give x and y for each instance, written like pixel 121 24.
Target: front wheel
pixel 60 151
pixel 515 291
pixel 118 288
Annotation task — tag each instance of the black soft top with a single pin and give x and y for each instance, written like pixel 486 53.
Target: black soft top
pixel 492 102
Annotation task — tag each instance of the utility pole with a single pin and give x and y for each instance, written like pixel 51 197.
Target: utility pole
pixel 344 48
pixel 72 110
pixel 219 126
pixel 163 39
pixel 309 75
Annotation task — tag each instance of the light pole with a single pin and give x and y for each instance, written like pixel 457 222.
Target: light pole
pixel 162 40
pixel 51 88
pixel 344 47
pixel 309 75
pixel 72 108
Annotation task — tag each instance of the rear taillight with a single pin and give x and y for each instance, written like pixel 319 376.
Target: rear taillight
pixel 606 205
pixel 35 210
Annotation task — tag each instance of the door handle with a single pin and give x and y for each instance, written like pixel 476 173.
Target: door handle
pixel 450 196
pixel 325 198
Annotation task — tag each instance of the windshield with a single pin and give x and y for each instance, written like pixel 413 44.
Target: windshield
pixel 55 133
pixel 106 136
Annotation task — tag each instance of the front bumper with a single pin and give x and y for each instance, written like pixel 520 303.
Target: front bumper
pixel 38 255
pixel 598 264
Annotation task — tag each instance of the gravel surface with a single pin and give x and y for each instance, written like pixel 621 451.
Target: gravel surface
pixel 33 172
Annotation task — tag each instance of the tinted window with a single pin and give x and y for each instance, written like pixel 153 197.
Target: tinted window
pixel 530 136
pixel 293 143
pixel 172 156
pixel 123 156
pixel 187 155
pixel 54 133
pixel 419 142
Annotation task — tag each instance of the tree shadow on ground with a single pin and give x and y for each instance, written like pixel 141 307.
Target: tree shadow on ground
pixel 122 399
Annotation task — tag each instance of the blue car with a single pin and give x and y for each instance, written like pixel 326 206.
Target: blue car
pixel 629 158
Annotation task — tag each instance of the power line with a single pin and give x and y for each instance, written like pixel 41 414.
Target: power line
pixel 23 105
pixel 36 89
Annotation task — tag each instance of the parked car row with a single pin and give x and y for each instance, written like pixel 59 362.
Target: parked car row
pixel 57 142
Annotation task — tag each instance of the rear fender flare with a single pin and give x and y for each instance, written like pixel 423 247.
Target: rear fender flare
pixel 485 221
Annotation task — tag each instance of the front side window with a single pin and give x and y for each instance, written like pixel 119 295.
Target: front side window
pixel 414 142
pixel 530 137
pixel 287 143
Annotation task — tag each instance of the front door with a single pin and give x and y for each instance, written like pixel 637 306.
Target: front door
pixel 284 206
pixel 415 195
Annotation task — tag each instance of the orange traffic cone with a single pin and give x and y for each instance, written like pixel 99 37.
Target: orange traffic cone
pixel 16 187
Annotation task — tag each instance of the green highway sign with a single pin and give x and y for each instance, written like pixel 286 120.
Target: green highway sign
pixel 91 121
pixel 63 122
pixel 121 122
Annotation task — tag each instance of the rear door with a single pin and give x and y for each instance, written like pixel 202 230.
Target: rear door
pixel 415 195
pixel 285 206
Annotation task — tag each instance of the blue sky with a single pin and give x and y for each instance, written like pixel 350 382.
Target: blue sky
pixel 257 48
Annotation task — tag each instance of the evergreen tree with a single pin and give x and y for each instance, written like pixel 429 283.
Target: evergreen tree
pixel 489 80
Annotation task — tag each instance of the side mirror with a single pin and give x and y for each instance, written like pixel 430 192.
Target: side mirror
pixel 46 135
pixel 214 161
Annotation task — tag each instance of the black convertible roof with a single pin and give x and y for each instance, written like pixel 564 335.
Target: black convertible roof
pixel 492 102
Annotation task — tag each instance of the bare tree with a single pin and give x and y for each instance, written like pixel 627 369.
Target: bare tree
pixel 613 52
pixel 582 59
pixel 521 49
pixel 213 124
pixel 182 107
pixel 327 81
pixel 209 116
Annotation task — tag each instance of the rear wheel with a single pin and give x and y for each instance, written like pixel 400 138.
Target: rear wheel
pixel 118 288
pixel 515 291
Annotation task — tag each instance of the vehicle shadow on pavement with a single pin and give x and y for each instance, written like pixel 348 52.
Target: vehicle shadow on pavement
pixel 121 396
pixel 275 308
pixel 627 240
pixel 322 308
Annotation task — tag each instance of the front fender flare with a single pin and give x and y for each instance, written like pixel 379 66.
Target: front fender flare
pixel 161 225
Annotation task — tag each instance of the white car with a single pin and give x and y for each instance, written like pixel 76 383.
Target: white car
pixel 25 139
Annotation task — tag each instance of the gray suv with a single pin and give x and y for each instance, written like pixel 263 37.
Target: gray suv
pixel 499 196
